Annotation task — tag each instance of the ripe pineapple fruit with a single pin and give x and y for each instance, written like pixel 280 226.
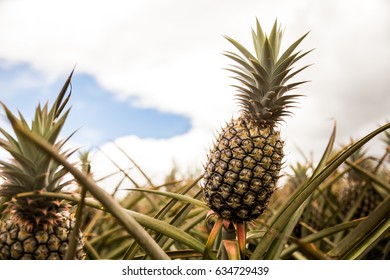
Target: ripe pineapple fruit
pixel 243 167
pixel 34 226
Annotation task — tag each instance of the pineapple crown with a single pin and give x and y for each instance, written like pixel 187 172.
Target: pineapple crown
pixel 30 168
pixel 264 76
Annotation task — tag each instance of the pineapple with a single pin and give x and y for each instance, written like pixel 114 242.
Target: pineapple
pixel 33 226
pixel 312 216
pixel 243 167
pixel 359 194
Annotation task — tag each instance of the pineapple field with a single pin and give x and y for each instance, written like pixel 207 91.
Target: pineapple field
pixel 246 204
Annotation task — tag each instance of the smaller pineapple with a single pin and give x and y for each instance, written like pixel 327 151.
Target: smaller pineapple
pixel 33 226
pixel 313 215
pixel 359 188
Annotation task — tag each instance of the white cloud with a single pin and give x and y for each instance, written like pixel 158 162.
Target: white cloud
pixel 167 54
pixel 157 158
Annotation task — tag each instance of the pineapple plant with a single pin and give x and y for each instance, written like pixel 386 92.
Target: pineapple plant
pixel 359 194
pixel 243 166
pixel 34 226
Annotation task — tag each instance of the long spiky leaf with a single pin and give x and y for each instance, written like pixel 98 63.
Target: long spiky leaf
pixel 107 201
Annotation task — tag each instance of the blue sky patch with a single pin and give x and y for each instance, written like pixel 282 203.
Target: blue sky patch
pixel 98 115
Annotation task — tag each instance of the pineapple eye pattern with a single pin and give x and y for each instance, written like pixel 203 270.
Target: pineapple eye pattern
pixel 248 152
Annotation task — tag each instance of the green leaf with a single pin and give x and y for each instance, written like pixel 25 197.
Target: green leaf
pixel 180 197
pixel 74 236
pixel 168 230
pixel 128 222
pixel 181 216
pixel 241 237
pixel 364 234
pixel 376 179
pixel 267 58
pixel 369 241
pixel 303 193
pixel 290 50
pixel 232 249
pixel 60 104
pixel 242 76
pixel 275 39
pixel 241 48
pixel 135 165
pixel 275 249
pixel 176 220
pixel 258 39
pixel 320 235
pixel 212 237
pixel 240 61
pixel 144 220
pixel 261 71
pixel 291 75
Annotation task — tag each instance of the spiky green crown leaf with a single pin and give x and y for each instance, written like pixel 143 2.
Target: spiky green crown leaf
pixel 264 76
pixel 31 169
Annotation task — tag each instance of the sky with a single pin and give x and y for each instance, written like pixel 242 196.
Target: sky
pixel 149 75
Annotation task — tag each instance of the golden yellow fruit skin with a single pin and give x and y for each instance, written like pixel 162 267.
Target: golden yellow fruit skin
pixel 242 169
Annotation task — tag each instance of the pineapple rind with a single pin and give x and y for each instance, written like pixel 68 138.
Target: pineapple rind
pixel 242 169
pixel 40 244
pixel 244 165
